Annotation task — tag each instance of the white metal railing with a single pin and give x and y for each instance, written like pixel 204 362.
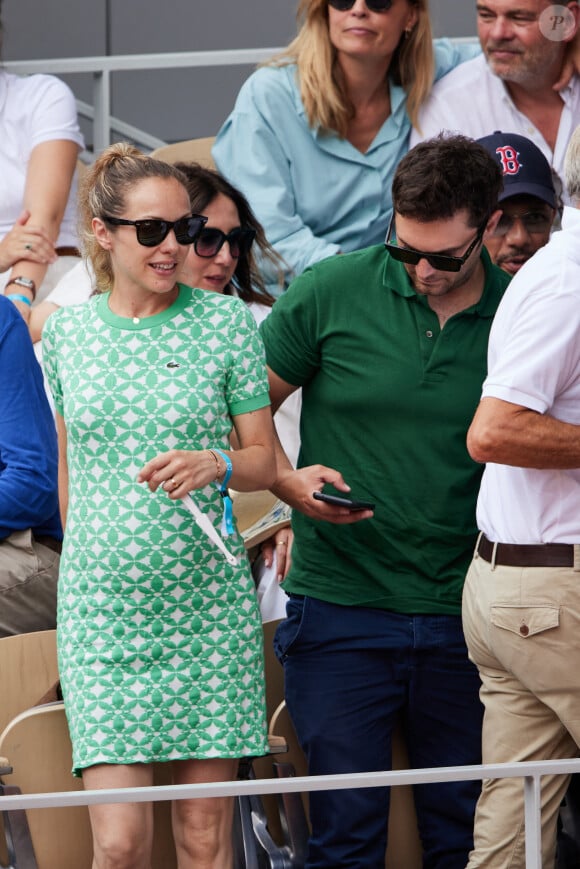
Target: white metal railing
pixel 128 132
pixel 531 774
pixel 101 69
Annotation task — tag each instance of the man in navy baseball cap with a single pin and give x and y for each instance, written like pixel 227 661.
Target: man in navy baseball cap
pixel 529 200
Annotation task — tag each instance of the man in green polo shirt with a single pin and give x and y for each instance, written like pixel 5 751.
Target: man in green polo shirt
pixel 389 347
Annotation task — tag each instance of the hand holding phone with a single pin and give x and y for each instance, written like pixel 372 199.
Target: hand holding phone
pixel 354 504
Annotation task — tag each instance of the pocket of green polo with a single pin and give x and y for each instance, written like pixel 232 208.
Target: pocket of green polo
pixel 525 620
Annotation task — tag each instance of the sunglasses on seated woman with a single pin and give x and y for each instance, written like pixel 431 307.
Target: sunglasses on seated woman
pixel 152 232
pixel 373 5
pixel 210 241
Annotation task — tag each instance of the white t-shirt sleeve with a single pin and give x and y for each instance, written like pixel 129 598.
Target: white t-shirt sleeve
pixel 51 111
pixel 35 109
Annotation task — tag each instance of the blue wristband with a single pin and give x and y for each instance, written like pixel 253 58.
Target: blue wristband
pixel 16 297
pixel 228 517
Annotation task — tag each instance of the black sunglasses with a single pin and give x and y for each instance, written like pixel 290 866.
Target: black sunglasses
pixel 373 5
pixel 151 232
pixel 210 241
pixel 440 261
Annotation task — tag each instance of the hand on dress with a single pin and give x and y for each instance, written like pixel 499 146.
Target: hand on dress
pixel 296 488
pixel 26 242
pixel 281 544
pixel 179 472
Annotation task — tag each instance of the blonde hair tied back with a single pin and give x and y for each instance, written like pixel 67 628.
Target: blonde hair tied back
pixel 103 191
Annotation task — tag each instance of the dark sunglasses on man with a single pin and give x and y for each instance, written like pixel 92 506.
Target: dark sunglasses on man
pixel 534 222
pixel 372 5
pixel 440 261
pixel 152 232
pixel 210 241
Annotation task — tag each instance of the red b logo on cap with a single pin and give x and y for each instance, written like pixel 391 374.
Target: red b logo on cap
pixel 509 159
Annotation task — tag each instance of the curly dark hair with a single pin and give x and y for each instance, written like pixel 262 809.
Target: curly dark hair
pixel 444 175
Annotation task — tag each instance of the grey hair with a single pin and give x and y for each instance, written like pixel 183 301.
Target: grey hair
pixel 572 167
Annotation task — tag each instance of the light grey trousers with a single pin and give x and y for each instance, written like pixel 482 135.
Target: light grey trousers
pixel 28 580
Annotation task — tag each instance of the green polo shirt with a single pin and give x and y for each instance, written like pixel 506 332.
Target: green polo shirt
pixel 387 397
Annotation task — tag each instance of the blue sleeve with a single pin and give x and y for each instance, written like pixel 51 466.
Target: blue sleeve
pixel 450 54
pixel 28 450
pixel 256 148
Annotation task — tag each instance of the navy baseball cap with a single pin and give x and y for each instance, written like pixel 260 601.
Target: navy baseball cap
pixel 525 169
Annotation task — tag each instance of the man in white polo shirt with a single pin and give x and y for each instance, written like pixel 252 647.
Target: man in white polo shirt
pixel 521 602
pixel 515 83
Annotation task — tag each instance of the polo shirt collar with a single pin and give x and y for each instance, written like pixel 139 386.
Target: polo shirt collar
pixel 487 305
pixel 395 278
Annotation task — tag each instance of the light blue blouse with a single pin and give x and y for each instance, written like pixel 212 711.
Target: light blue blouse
pixel 313 192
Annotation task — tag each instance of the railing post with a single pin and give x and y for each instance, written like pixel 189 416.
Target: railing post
pixel 102 100
pixel 533 819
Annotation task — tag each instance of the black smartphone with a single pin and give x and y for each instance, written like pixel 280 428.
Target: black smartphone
pixel 343 501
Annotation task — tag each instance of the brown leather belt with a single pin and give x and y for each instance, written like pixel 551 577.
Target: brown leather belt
pixel 527 554
pixel 67 251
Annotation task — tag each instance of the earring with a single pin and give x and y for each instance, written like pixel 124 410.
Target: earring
pixel 408 32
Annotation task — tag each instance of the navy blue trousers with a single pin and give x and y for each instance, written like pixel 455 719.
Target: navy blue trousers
pixel 350 673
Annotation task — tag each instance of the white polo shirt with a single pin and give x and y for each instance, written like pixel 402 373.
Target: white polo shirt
pixel 473 101
pixel 534 361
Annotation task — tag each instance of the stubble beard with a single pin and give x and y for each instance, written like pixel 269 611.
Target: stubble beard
pixel 527 68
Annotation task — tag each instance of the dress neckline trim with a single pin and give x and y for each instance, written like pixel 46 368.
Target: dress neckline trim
pixel 137 324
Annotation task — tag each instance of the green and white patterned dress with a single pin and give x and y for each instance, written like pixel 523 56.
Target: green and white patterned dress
pixel 159 639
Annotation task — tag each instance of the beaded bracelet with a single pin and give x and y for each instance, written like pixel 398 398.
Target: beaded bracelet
pixel 228 517
pixel 217 465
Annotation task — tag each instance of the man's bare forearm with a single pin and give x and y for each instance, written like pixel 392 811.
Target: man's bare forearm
pixel 509 434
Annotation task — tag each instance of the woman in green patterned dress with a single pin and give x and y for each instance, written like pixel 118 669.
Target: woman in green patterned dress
pixel 159 636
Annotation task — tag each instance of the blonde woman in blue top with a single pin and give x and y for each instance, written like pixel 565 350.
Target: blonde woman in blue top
pixel 316 135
